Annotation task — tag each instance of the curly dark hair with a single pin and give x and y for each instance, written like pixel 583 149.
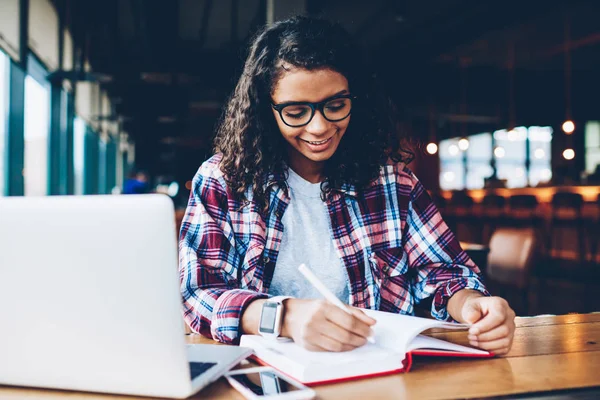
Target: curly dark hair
pixel 248 137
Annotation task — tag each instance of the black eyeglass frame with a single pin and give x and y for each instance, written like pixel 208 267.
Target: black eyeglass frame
pixel 314 107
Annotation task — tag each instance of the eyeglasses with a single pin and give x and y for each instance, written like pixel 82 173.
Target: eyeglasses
pixel 300 113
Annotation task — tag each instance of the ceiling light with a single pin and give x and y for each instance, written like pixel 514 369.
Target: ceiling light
pixel 432 148
pixel 569 154
pixel 568 127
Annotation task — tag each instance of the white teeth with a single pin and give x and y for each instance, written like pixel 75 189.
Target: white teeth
pixel 321 142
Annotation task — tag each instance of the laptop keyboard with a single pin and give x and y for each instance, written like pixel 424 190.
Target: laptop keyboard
pixel 198 368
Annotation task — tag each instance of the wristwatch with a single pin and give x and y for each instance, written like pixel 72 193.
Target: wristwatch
pixel 271 317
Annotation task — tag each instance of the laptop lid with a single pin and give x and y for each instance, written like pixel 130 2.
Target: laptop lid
pixel 89 296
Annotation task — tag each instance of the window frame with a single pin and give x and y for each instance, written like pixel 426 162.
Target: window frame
pixel 37 71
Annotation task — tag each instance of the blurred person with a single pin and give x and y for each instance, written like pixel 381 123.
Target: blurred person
pixel 309 169
pixel 137 183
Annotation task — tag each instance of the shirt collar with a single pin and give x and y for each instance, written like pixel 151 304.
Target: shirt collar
pixel 274 178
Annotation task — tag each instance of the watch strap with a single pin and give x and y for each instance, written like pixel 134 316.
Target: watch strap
pixel 279 301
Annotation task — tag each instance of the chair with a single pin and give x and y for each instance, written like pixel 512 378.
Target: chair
pixel 492 214
pixel 594 233
pixel 510 263
pixel 565 264
pixel 523 210
pixel 462 219
pixel 566 215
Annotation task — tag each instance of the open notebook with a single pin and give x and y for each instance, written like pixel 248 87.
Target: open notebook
pixel 397 337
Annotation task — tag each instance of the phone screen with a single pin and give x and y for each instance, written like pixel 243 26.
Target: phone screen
pixel 265 383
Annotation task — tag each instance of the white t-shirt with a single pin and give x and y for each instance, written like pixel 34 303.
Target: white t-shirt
pixel 307 239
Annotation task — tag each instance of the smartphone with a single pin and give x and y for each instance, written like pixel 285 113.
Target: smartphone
pixel 265 383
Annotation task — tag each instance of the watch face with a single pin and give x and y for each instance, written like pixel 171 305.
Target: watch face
pixel 268 317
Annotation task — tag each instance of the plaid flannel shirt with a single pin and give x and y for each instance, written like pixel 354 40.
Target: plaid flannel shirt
pixel 397 250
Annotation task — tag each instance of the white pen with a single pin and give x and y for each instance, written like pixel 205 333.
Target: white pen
pixel 325 292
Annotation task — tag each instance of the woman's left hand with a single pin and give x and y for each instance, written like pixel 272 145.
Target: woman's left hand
pixel 493 323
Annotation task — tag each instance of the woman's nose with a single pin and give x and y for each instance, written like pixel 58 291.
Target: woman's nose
pixel 318 124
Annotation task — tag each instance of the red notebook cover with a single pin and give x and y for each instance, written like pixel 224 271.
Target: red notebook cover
pixel 407 363
pixel 446 353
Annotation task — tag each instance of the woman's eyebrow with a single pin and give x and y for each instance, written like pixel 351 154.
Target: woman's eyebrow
pixel 344 91
pixel 341 92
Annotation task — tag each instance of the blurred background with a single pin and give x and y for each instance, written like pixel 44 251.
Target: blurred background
pixel 499 100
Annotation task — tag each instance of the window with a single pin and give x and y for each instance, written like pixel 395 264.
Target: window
pixel 510 156
pixel 37 127
pixel 479 159
pixel 540 154
pixel 592 146
pixel 3 116
pixel 452 171
pixel 468 168
pixel 79 129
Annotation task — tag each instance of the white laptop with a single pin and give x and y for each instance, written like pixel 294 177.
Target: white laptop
pixel 90 300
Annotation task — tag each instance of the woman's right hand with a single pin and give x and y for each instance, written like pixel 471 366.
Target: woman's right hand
pixel 318 325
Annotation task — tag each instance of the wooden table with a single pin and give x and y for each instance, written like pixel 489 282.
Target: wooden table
pixel 549 353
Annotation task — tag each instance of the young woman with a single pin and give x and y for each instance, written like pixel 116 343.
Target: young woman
pixel 307 170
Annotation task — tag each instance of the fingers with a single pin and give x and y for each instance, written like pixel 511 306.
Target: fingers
pixel 501 352
pixel 321 326
pixel 495 346
pixel 499 332
pixel 494 332
pixel 349 322
pixel 363 317
pixel 336 332
pixel 319 341
pixel 496 311
pixel 330 344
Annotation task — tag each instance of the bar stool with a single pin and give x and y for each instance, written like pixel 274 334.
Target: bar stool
pixel 566 214
pixel 462 218
pixel 566 231
pixel 523 213
pixel 594 234
pixel 523 209
pixel 492 213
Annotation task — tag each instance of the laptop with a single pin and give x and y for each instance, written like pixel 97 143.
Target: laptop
pixel 90 299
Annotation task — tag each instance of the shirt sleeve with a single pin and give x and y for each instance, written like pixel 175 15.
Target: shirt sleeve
pixel 209 263
pixel 440 266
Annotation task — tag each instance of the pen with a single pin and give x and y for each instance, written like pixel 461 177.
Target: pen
pixel 325 292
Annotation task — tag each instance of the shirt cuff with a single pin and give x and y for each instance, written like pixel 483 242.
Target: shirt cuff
pixel 227 313
pixel 439 306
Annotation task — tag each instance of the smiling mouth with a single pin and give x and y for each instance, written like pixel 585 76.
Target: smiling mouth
pixel 319 142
